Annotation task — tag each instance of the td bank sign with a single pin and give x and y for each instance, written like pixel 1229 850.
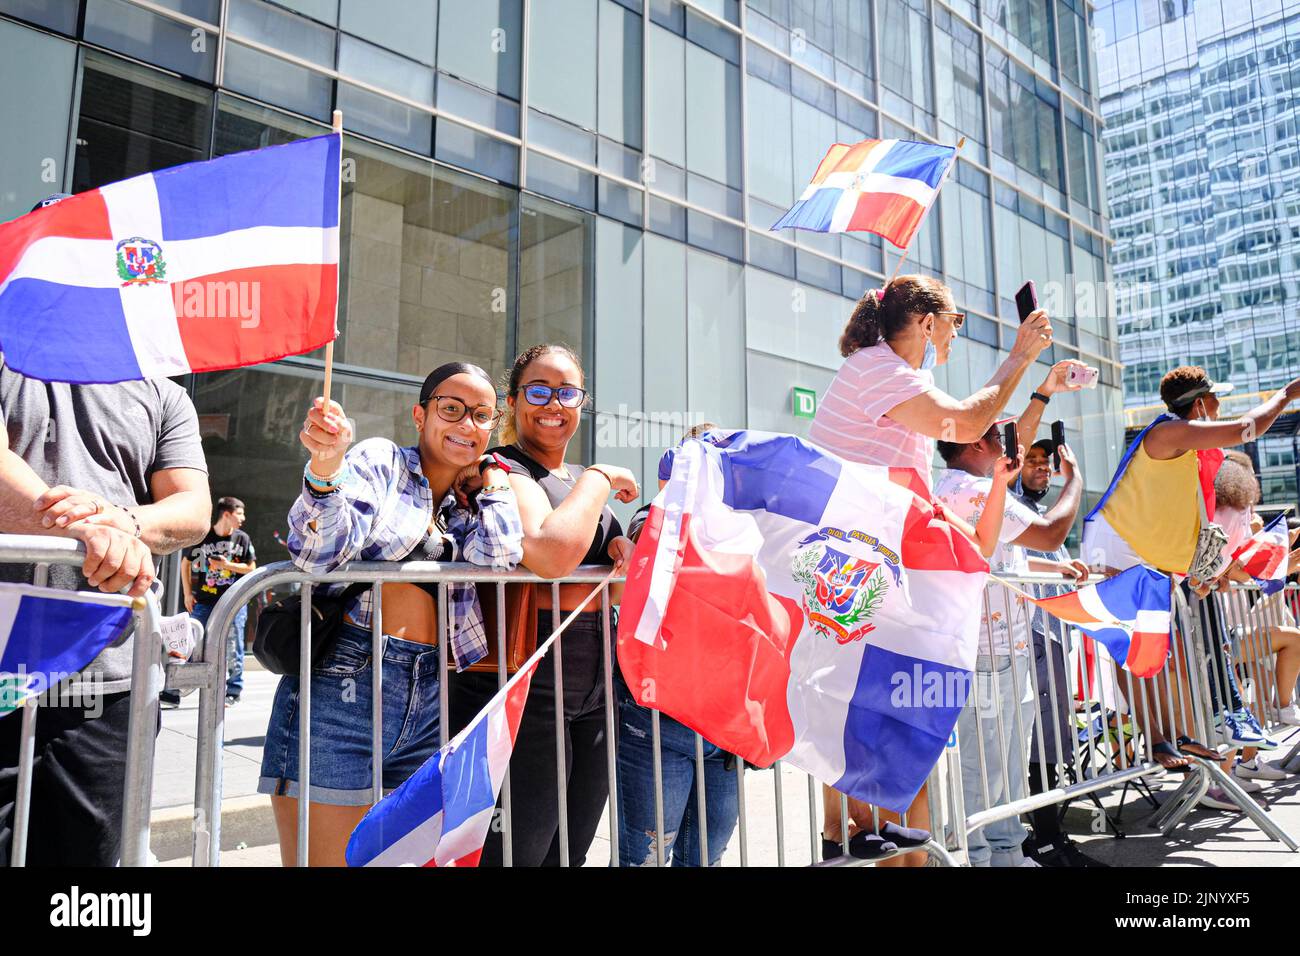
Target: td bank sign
pixel 803 402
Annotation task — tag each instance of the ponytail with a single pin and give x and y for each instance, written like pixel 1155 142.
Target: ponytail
pixel 881 314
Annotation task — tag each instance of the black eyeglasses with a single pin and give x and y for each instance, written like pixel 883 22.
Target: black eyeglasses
pixel 453 410
pixel 570 396
pixel 958 318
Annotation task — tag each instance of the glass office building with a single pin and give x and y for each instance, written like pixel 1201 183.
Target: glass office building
pixel 598 172
pixel 1202 173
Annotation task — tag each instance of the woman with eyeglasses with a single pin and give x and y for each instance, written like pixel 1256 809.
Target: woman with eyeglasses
pixel 567 522
pixel 882 408
pixel 382 502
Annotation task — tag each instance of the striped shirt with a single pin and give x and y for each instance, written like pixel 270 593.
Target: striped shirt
pixel 853 420
pixel 382 511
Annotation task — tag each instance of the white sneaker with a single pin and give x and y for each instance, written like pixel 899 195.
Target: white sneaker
pixel 1257 769
pixel 1290 715
pixel 1250 786
pixel 1217 799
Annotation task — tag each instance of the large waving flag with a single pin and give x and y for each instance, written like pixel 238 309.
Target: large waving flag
pixel 200 267
pixel 790 605
pixel 440 815
pixel 1264 556
pixel 47 635
pixel 1128 614
pixel 884 186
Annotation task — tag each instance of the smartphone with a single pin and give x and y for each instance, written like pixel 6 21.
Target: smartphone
pixel 1058 439
pixel 1026 300
pixel 1084 377
pixel 1009 444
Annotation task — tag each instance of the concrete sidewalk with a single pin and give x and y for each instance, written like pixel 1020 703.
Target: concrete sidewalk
pixel 1206 838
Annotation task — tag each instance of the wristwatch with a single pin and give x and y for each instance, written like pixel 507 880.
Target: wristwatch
pixel 493 460
pixel 1041 397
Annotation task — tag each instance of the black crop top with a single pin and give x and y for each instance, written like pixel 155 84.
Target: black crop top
pixel 557 489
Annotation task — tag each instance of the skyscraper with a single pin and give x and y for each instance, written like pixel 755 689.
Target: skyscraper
pixel 1203 180
pixel 600 172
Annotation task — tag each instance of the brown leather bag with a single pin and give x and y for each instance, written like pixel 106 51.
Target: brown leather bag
pixel 521 625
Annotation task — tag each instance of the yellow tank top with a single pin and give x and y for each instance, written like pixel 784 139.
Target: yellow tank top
pixel 1154 509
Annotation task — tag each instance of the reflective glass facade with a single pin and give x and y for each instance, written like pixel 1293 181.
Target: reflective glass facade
pixel 599 172
pixel 1201 169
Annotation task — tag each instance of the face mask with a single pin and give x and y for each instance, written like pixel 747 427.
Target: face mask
pixel 931 356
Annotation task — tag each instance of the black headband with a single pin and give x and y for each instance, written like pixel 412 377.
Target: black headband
pixel 1188 397
pixel 446 371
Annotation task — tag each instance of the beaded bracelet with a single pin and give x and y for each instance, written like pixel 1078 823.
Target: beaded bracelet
pixel 323 485
pixel 491 489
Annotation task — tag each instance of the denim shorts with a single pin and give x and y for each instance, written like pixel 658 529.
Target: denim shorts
pixel 341 768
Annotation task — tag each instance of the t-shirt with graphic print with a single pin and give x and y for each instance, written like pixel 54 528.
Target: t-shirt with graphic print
pixel 208 583
pixel 966 496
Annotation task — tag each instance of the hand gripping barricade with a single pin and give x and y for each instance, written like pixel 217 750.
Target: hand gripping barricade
pixel 146 682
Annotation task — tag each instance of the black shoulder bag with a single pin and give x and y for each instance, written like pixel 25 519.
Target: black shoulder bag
pixel 276 645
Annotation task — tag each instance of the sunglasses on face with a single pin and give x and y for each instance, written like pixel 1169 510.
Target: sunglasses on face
pixel 453 410
pixel 570 396
pixel 958 318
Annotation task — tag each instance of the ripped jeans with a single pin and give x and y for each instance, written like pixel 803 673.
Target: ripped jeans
pixel 636 795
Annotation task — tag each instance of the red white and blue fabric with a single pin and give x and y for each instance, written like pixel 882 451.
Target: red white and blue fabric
pixel 884 186
pixel 440 815
pixel 1127 614
pixel 205 266
pixel 47 635
pixel 1264 556
pixel 790 605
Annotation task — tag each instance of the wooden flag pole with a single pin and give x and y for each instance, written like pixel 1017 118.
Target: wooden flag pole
pixel 329 346
pixel 903 255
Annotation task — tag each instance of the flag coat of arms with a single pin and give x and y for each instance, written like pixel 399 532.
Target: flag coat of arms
pixel 1264 556
pixel 790 605
pixel 205 266
pixel 440 815
pixel 1127 614
pixel 884 186
pixel 46 636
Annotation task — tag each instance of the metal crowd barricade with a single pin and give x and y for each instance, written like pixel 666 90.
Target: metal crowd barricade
pixel 146 682
pixel 1202 627
pixel 1082 728
pixel 1110 741
pixel 786 785
pixel 1101 727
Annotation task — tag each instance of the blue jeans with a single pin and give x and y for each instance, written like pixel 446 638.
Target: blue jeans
pixel 997 844
pixel 342 768
pixel 234 645
pixel 636 797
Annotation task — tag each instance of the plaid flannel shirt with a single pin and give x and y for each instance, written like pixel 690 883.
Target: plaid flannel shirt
pixel 381 512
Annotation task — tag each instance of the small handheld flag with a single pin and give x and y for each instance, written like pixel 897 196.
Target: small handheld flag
pixel 440 815
pixel 1264 556
pixel 1127 614
pixel 883 186
pixel 47 635
pixel 200 267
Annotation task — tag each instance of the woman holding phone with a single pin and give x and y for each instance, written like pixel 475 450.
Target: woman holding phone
pixel 883 408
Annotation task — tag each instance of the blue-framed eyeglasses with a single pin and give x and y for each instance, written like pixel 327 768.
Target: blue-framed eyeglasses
pixel 570 396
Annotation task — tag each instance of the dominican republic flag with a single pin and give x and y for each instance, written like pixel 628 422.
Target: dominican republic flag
pixel 1127 614
pixel 196 268
pixel 789 605
pixel 47 635
pixel 885 186
pixel 1264 556
pixel 440 815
